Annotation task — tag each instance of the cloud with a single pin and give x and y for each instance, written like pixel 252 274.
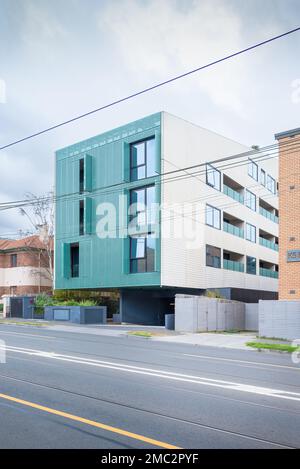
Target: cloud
pixel 157 40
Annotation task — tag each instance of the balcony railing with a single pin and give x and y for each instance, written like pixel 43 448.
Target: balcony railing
pixel 232 229
pixel 233 194
pixel 268 273
pixel 268 244
pixel 233 265
pixel 268 215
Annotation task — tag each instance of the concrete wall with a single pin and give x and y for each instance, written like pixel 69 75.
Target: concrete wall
pixel 198 313
pixel 279 319
pixel 251 316
pixel 77 314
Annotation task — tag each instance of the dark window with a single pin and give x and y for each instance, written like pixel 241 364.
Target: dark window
pixel 213 177
pixel 262 177
pixel 213 256
pixel 81 175
pixel 74 255
pixel 81 217
pixel 13 260
pixel 212 216
pixel 251 265
pixel 141 205
pixel 253 169
pixel 142 253
pixel 142 159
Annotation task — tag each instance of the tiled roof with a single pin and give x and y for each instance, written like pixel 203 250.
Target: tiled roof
pixel 30 241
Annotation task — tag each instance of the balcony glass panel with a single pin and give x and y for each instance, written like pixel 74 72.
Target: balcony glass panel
pixel 268 244
pixel 233 265
pixel 234 230
pixel 233 194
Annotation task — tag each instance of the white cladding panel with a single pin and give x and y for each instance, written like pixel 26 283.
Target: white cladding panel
pixel 183 260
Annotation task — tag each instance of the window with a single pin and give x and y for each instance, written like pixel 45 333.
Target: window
pixel 252 169
pixel 271 185
pixel 250 200
pixel 81 217
pixel 213 217
pixel 213 256
pixel 142 159
pixel 250 233
pixel 13 260
pixel 74 256
pixel 142 253
pixel 141 205
pixel 213 177
pixel 251 265
pixel 262 177
pixel 81 175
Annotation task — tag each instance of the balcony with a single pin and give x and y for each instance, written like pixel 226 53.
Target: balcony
pixel 268 215
pixel 268 273
pixel 267 211
pixel 234 190
pixel 233 265
pixel 268 244
pixel 233 261
pixel 232 229
pixel 233 194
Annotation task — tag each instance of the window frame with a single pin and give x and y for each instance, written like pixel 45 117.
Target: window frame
pixel 213 209
pixel 246 200
pixel 14 263
pixel 215 170
pixel 73 272
pixel 81 175
pixel 247 271
pixel 250 238
pixel 263 180
pixel 146 209
pixel 209 246
pixel 145 257
pixel 81 217
pixel 271 189
pixel 251 165
pixel 132 168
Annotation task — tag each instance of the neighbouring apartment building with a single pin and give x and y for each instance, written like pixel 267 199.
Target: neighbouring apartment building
pixel 289 203
pixel 24 267
pixel 217 228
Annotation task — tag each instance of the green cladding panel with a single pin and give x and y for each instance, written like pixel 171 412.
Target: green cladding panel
pixel 104 262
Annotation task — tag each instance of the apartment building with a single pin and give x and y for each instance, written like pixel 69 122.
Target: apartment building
pixel 24 267
pixel 289 203
pixel 216 229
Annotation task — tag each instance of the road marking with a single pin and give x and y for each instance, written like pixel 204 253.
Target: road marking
pixel 92 423
pixel 229 385
pixel 29 335
pixel 242 361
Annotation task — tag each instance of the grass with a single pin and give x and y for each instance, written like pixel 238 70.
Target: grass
pixel 279 347
pixel 145 334
pixel 21 323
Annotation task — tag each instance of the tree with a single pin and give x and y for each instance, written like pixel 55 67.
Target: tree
pixel 39 210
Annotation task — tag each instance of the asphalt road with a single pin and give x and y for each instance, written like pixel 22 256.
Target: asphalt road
pixel 70 390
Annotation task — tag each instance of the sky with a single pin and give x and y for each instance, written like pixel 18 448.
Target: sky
pixel 60 59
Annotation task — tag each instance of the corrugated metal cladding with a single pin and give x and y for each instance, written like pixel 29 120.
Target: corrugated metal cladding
pixel 103 263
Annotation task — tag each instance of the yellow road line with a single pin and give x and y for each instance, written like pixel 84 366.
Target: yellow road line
pixel 108 428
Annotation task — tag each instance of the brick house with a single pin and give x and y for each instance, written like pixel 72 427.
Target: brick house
pixel 24 267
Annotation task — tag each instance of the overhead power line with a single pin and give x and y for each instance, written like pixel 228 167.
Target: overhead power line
pixel 151 88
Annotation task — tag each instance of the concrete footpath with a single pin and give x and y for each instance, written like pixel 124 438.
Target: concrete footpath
pixel 153 333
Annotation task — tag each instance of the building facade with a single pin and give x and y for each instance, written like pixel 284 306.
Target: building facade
pixel 216 229
pixel 24 267
pixel 289 202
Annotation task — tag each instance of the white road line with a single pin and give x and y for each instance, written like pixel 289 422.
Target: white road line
pixel 230 385
pixel 242 361
pixel 28 335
